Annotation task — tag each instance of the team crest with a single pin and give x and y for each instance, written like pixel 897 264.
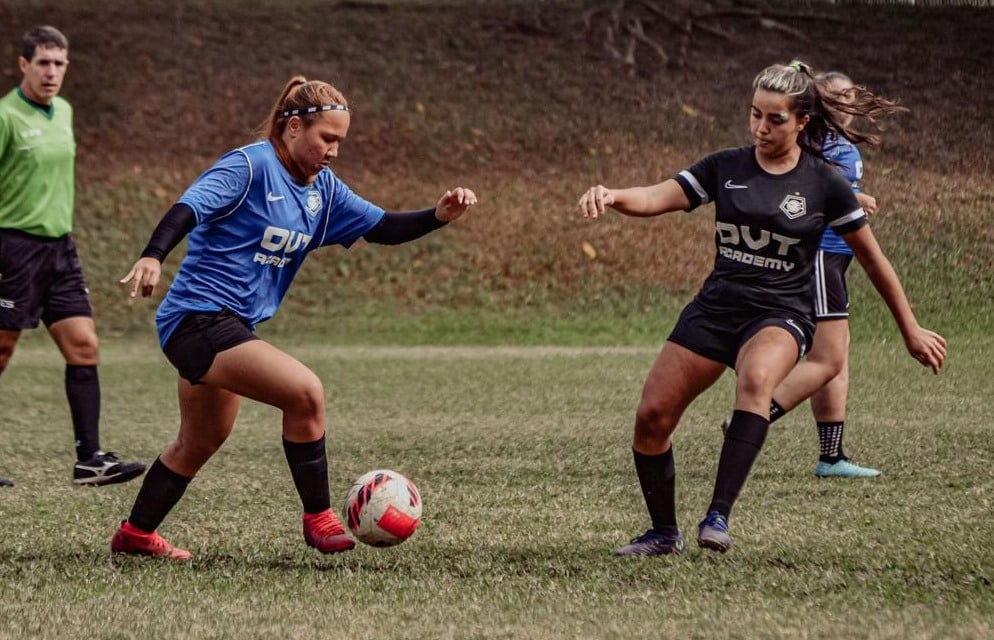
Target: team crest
pixel 793 206
pixel 313 202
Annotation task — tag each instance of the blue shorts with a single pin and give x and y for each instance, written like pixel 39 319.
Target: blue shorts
pixel 719 336
pixel 831 293
pixel 40 279
pixel 200 337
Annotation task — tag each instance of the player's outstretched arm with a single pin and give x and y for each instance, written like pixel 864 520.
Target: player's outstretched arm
pixel 660 198
pixel 925 346
pixel 398 228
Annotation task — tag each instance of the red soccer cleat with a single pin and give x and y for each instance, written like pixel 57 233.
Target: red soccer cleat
pixel 324 532
pixel 131 539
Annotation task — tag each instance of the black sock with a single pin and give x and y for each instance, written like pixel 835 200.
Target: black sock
pixel 776 411
pixel 161 490
pixel 83 392
pixel 309 468
pixel 830 441
pixel 743 441
pixel 657 477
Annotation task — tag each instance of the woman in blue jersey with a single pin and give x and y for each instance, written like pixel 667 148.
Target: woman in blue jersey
pixel 824 374
pixel 754 312
pixel 251 219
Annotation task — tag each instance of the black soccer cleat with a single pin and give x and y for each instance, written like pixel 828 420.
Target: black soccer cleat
pixel 105 468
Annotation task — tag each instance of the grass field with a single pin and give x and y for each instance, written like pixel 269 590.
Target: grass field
pixel 497 363
pixel 522 455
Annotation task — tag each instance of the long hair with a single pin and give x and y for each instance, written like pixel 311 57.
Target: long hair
pixel 812 97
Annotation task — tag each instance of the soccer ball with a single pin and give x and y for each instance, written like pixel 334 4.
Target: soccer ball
pixel 383 508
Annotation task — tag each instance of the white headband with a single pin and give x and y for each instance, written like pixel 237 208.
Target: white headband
pixel 315 109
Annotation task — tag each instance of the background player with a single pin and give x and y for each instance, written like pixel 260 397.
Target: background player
pixel 831 342
pixel 41 278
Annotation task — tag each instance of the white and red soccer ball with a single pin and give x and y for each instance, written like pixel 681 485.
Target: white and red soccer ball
pixel 383 508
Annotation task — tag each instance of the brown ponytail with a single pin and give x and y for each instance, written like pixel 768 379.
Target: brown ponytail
pixel 299 93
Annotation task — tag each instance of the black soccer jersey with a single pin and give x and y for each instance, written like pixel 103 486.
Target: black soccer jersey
pixel 767 228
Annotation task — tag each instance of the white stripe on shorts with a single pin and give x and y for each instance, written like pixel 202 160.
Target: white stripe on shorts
pixel 821 291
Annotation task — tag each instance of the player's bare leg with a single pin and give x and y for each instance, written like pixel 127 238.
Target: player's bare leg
pixel 264 373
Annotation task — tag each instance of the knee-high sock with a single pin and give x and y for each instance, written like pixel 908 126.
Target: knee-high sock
pixel 83 393
pixel 743 441
pixel 309 468
pixel 657 477
pixel 161 490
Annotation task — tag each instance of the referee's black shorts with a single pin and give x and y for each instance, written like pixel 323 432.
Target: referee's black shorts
pixel 719 336
pixel 41 279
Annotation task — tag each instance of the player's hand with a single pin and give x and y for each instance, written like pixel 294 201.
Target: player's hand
pixel 867 202
pixel 928 348
pixel 144 275
pixel 454 203
pixel 595 201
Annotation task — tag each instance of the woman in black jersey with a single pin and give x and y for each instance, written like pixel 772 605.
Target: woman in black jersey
pixel 754 312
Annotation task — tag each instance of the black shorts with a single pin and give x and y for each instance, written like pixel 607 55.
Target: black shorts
pixel 831 294
pixel 200 337
pixel 40 279
pixel 719 336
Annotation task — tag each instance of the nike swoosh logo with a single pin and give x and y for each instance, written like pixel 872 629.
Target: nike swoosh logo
pixel 731 185
pixel 271 197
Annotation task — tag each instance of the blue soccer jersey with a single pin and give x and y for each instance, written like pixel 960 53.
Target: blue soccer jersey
pixel 254 226
pixel 767 228
pixel 845 156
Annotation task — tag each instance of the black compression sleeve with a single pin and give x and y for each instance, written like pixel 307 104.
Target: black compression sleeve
pixel 396 228
pixel 171 229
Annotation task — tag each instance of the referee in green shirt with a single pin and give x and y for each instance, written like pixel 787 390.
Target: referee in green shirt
pixel 41 278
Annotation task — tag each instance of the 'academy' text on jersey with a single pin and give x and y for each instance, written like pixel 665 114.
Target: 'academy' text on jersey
pixel 767 227
pixel 730 235
pixel 254 226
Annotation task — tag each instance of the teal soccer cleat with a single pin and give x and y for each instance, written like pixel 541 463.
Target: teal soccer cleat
pixel 844 468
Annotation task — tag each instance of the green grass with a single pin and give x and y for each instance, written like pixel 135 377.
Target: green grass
pixel 522 455
pixel 495 362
